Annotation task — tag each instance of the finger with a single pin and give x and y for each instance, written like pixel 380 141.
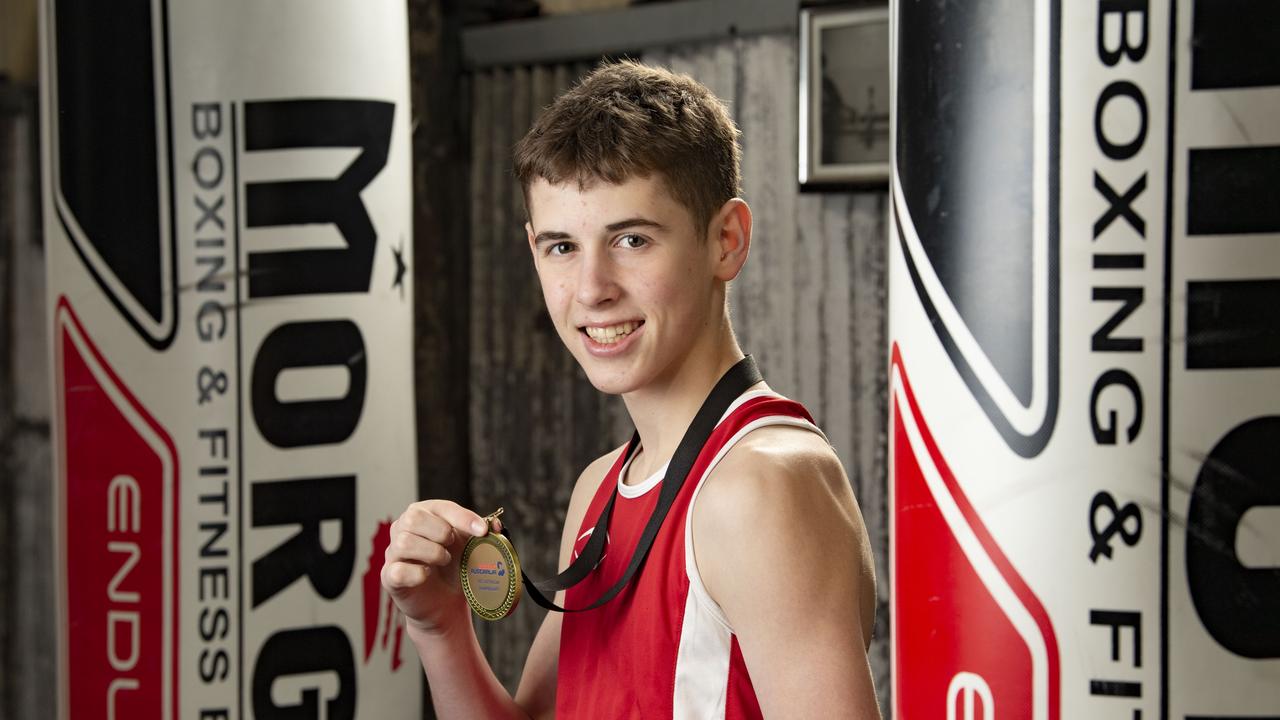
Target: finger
pixel 462 519
pixel 403 575
pixel 422 522
pixel 497 525
pixel 406 546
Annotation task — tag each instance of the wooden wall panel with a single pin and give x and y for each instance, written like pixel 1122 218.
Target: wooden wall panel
pixel 441 252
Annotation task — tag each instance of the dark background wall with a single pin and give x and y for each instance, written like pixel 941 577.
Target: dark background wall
pixel 504 415
pixel 26 560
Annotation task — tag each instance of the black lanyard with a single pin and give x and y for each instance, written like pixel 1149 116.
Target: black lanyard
pixel 736 381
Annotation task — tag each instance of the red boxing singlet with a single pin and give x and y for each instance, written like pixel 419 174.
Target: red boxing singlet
pixel 662 648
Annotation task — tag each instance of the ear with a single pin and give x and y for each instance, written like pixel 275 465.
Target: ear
pixel 730 236
pixel 533 249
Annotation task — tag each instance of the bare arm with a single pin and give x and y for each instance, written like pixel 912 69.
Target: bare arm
pixel 780 544
pixel 462 683
pixel 421 575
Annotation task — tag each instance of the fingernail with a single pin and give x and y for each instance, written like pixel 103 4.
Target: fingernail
pixel 478 527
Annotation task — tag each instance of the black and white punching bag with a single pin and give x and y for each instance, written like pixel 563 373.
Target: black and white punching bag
pixel 1085 344
pixel 227 227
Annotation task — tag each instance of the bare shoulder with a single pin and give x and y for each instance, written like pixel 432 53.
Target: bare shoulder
pixel 776 492
pixel 778 464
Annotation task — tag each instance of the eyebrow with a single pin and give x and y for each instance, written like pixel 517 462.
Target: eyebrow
pixel 551 236
pixel 633 222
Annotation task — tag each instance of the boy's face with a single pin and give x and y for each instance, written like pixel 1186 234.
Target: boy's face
pixel 630 283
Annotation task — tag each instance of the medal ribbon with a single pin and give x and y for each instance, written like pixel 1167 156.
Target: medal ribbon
pixel 733 383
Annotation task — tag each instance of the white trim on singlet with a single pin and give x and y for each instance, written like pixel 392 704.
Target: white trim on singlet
pixel 649 483
pixel 706 638
pixel 744 397
pixel 640 488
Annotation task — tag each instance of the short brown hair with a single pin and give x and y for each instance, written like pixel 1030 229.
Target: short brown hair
pixel 625 120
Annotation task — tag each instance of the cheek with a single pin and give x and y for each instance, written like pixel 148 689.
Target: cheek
pixel 680 297
pixel 553 290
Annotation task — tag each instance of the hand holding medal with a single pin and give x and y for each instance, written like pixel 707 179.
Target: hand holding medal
pixel 420 570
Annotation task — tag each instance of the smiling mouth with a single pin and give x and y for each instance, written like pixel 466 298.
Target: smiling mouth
pixel 611 334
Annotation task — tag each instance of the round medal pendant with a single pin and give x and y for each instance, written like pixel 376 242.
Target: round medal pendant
pixel 490 575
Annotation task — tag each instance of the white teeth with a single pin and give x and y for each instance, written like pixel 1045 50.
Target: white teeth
pixel 611 334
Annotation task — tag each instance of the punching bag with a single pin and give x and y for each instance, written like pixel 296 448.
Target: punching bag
pixel 1085 359
pixel 227 227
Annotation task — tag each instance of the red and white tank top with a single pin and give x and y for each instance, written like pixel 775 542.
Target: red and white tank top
pixel 662 648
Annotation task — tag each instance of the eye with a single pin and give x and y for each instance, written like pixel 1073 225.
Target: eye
pixel 563 247
pixel 632 241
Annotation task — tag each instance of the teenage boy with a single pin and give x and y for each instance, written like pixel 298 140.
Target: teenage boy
pixel 757 596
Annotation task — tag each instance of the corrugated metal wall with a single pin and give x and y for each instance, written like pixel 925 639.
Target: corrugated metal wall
pixel 810 306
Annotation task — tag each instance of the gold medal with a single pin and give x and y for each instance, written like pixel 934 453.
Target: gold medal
pixel 490 574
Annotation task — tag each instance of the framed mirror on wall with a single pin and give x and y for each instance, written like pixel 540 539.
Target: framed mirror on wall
pixel 844 96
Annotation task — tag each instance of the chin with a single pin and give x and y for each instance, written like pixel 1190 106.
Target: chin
pixel 608 380
pixel 610 383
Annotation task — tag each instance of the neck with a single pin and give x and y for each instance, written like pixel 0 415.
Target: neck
pixel 662 410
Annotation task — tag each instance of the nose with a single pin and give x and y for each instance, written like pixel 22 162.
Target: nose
pixel 597 283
